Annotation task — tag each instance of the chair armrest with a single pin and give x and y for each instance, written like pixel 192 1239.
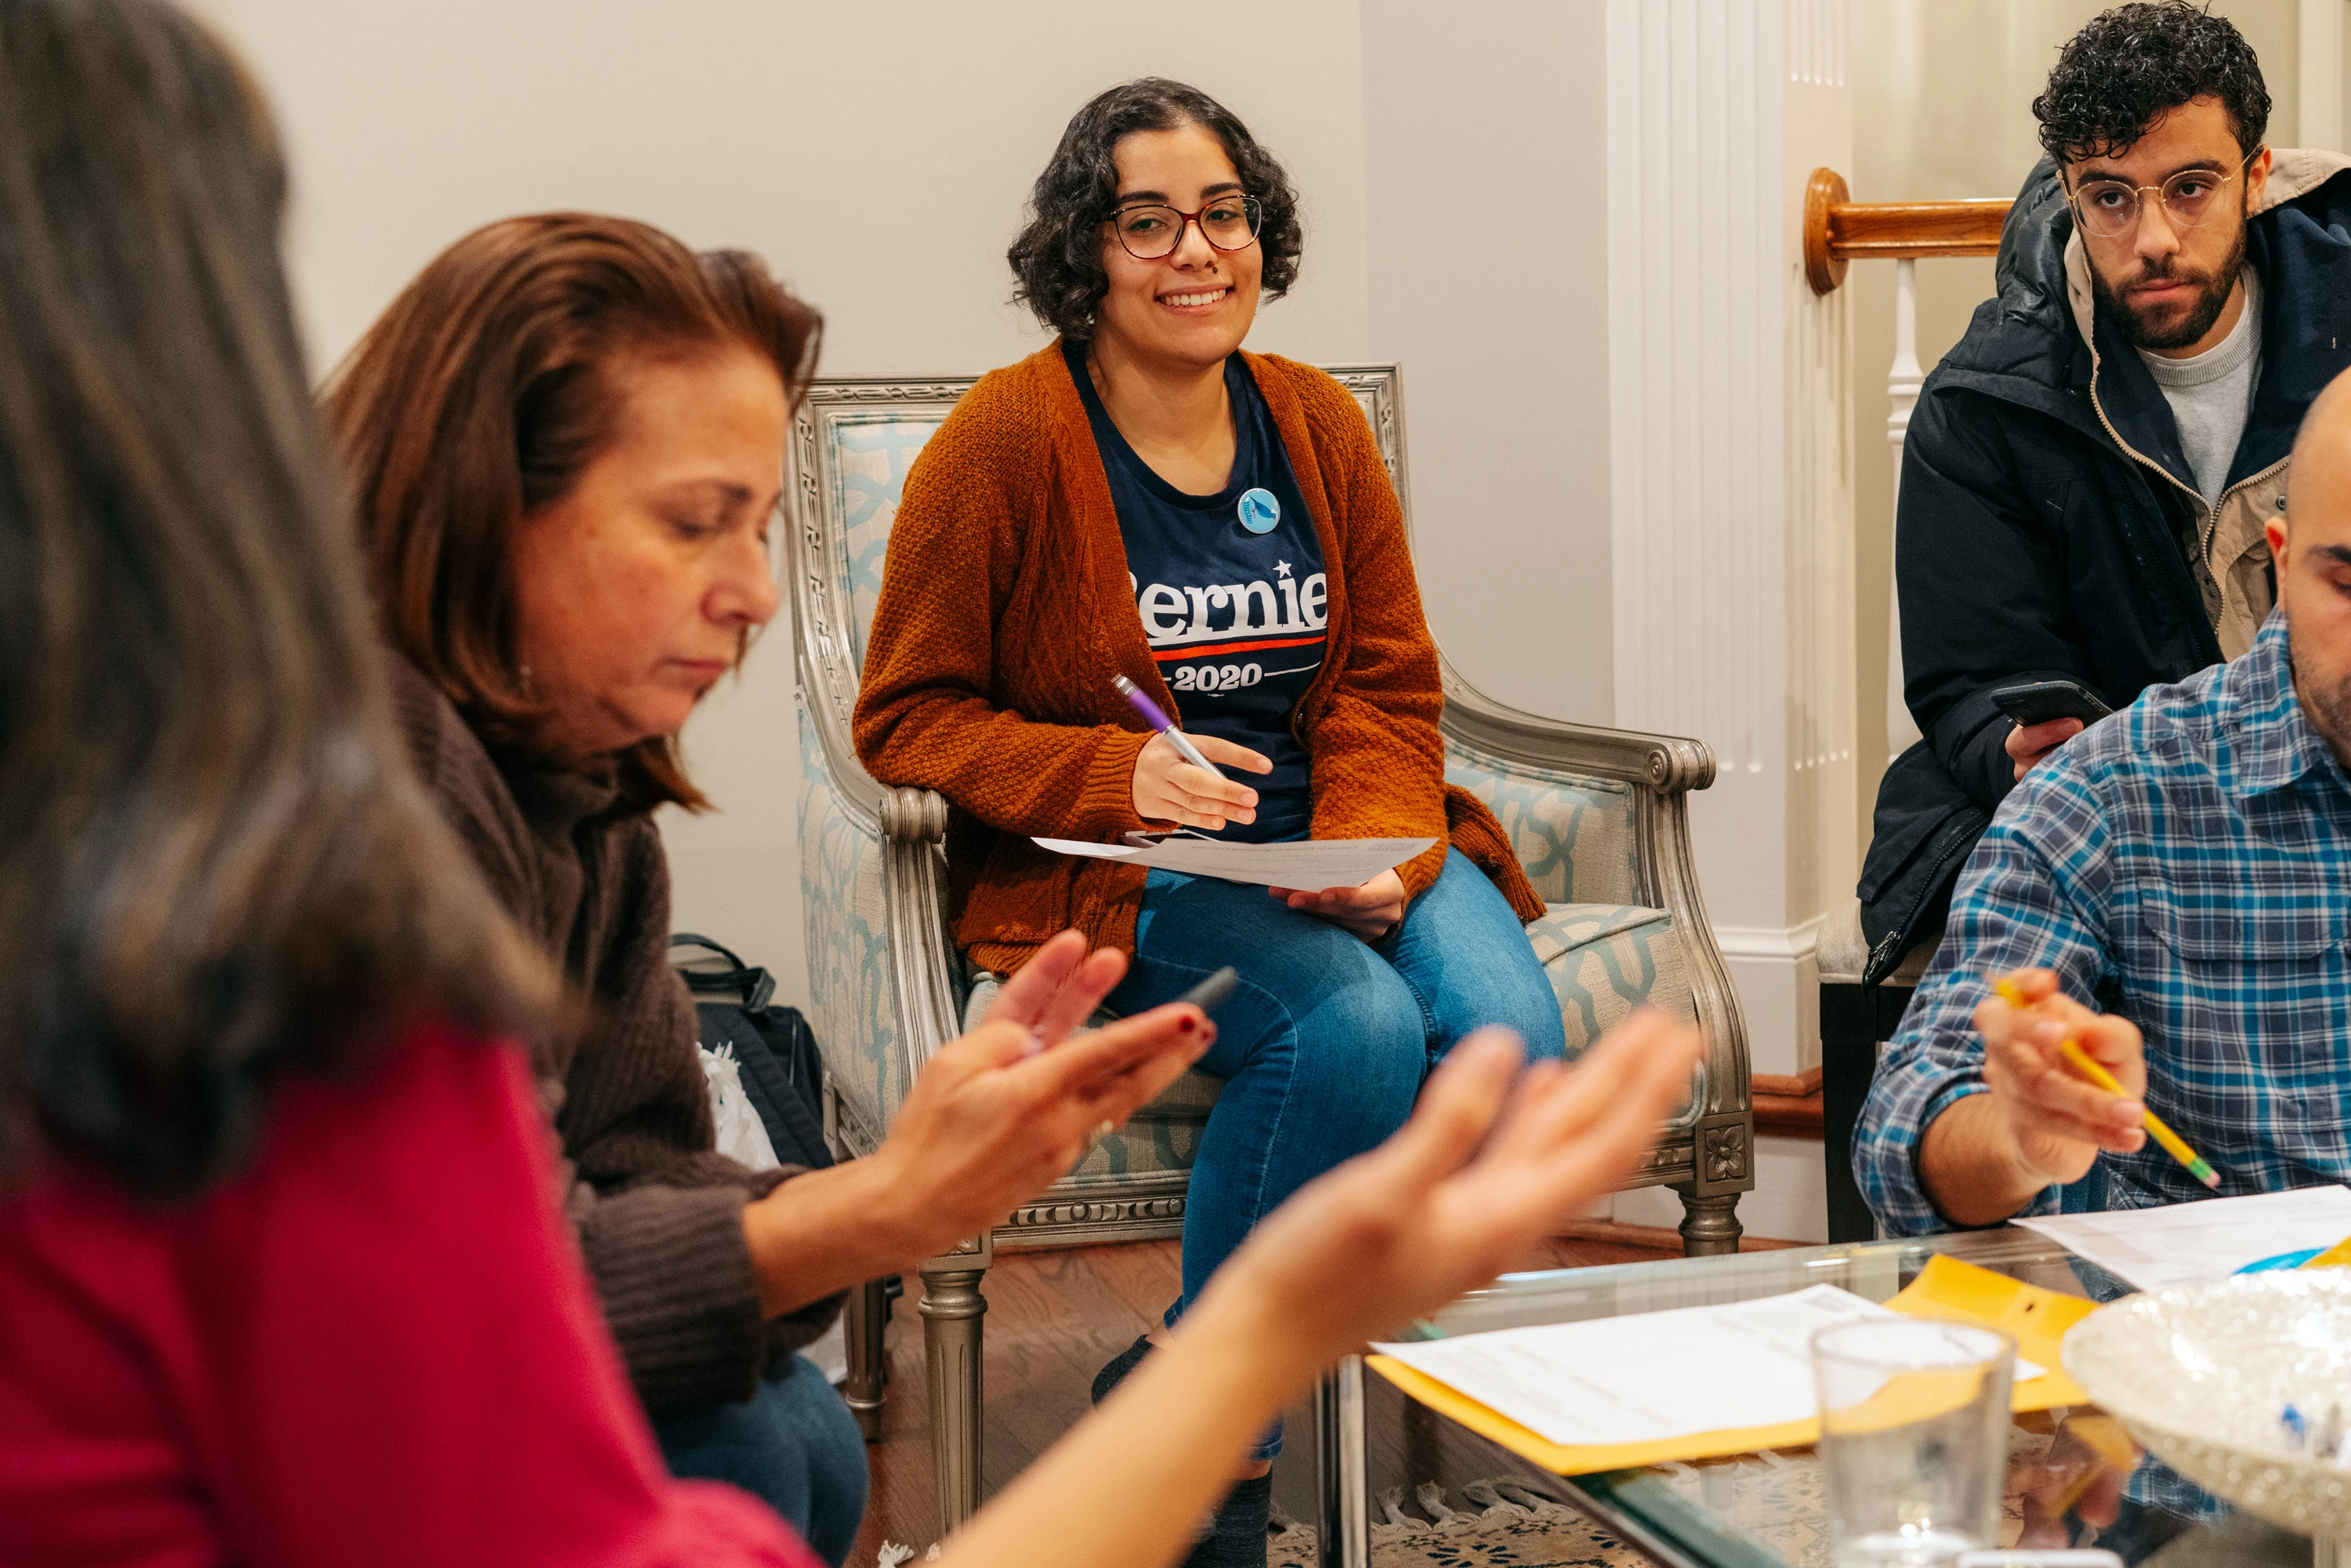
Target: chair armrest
pixel 914 816
pixel 1662 769
pixel 1665 763
pixel 914 903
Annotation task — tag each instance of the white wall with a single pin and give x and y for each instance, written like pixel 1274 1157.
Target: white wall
pixel 1487 213
pixel 877 158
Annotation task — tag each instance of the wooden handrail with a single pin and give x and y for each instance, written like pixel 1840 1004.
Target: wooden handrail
pixel 1837 230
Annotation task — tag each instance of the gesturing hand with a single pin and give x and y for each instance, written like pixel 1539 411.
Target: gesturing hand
pixel 1371 911
pixel 2029 743
pixel 2057 1120
pixel 1485 1166
pixel 1058 988
pixel 1000 1114
pixel 1169 790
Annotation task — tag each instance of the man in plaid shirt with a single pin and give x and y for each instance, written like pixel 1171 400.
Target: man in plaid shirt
pixel 2185 867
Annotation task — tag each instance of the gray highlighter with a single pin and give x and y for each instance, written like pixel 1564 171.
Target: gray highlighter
pixel 1212 991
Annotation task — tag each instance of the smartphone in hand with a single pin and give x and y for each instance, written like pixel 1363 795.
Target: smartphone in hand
pixel 2037 702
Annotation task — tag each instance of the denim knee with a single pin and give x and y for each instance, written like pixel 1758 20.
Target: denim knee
pixel 838 1471
pixel 1364 1039
pixel 1527 1005
pixel 1464 952
pixel 793 1444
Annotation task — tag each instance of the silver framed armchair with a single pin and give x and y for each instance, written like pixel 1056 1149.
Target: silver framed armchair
pixel 1597 816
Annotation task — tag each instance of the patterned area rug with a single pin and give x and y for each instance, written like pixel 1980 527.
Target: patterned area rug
pixel 1503 1524
pixel 1506 1524
pixel 1500 1523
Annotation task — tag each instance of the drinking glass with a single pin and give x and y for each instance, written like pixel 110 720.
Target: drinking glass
pixel 1914 1439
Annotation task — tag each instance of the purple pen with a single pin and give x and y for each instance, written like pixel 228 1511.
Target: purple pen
pixel 1161 723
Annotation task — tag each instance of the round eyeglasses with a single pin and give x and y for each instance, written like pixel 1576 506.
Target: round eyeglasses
pixel 2110 208
pixel 1149 233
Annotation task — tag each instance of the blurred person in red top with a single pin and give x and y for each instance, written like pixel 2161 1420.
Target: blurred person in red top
pixel 282 1273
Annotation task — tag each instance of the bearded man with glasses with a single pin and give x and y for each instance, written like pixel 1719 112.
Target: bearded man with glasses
pixel 2087 475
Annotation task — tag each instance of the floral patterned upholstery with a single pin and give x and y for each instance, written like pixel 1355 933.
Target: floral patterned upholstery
pixel 1573 835
pixel 1605 960
pixel 854 1015
pixel 871 456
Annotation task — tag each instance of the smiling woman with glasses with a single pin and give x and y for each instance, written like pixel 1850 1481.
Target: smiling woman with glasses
pixel 1144 499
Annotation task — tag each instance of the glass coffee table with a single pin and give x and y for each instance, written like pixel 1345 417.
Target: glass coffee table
pixel 1758 1511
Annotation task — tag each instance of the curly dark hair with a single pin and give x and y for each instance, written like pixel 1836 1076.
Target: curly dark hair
pixel 1057 259
pixel 2129 64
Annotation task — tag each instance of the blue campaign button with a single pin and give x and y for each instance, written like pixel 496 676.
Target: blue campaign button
pixel 1259 511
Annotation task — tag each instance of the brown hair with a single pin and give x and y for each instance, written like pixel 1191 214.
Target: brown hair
pixel 484 392
pixel 215 866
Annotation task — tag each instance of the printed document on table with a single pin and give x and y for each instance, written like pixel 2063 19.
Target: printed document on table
pixel 1311 864
pixel 2204 1238
pixel 1653 1375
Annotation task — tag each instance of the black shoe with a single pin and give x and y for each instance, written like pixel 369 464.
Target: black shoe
pixel 1124 1361
pixel 1236 1537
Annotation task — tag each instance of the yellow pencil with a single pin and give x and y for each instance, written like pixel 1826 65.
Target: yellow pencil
pixel 2087 1066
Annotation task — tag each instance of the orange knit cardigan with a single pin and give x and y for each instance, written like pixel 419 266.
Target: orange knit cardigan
pixel 1006 609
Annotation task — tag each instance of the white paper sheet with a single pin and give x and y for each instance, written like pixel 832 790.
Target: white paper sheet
pixel 2206 1238
pixel 1307 864
pixel 1652 1376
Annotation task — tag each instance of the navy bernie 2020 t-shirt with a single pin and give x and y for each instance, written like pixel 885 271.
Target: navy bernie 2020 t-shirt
pixel 1230 589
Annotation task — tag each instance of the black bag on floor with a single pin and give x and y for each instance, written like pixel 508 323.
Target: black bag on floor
pixel 783 1075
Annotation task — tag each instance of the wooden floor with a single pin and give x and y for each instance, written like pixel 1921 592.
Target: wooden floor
pixel 1053 1319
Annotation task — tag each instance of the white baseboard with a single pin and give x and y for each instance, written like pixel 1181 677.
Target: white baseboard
pixel 1779 982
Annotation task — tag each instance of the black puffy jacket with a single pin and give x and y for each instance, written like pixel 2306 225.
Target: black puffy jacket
pixel 2049 525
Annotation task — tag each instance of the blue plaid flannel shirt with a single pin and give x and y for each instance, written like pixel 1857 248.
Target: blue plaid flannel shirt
pixel 2188 865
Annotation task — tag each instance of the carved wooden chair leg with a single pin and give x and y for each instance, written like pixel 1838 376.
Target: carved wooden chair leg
pixel 1709 1224
pixel 951 1329
pixel 861 1319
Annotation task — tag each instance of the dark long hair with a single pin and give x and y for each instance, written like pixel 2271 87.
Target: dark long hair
pixel 1057 265
pixel 483 391
pixel 214 866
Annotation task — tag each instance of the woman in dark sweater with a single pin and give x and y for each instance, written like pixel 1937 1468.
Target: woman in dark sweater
pixel 565 438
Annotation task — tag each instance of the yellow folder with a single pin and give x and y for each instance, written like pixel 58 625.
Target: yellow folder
pixel 2036 1318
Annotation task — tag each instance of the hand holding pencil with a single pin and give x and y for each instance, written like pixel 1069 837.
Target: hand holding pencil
pixel 2057 1120
pixel 2019 990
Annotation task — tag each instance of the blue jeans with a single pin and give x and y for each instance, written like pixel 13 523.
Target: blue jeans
pixel 793 1444
pixel 1325 1041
